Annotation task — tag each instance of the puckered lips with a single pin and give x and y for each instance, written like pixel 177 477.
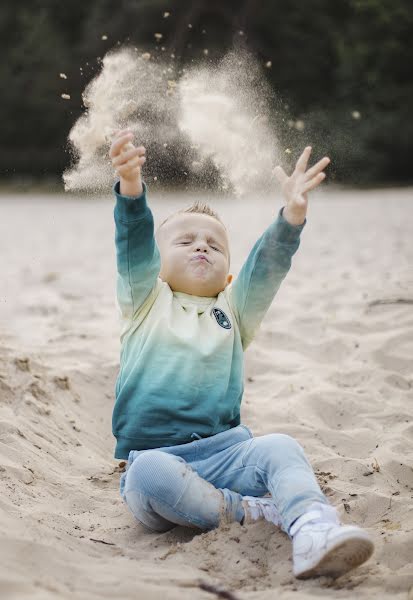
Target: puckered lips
pixel 200 257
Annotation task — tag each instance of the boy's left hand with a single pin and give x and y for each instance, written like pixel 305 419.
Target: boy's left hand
pixel 296 186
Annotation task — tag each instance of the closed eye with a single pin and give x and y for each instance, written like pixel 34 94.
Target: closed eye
pixel 185 243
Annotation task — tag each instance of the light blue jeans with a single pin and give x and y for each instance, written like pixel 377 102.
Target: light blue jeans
pixel 201 483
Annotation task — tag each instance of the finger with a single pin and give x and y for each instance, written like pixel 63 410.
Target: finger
pixel 320 166
pixel 133 165
pixel 124 157
pixel 136 162
pixel 314 182
pixel 114 134
pixel 301 164
pixel 118 143
pixel 280 174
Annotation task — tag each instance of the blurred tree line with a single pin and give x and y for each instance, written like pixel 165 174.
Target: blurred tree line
pixel 343 70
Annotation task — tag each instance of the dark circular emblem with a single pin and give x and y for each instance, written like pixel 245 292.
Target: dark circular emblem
pixel 221 318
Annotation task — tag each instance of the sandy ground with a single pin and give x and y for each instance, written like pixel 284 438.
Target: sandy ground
pixel 332 366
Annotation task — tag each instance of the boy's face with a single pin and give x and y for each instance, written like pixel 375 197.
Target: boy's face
pixel 194 253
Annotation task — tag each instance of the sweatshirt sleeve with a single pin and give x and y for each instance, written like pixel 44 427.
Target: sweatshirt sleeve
pixel 137 254
pixel 262 273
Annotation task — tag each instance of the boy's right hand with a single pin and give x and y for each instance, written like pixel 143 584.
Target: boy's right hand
pixel 127 161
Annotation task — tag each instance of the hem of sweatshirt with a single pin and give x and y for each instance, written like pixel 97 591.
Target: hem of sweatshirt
pixel 130 208
pixel 285 231
pixel 125 444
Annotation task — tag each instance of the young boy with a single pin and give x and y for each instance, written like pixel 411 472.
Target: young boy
pixel 180 385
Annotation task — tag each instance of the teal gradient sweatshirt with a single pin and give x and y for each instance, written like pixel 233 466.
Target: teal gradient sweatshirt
pixel 181 363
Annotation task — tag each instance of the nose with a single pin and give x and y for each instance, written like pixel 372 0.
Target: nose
pixel 201 247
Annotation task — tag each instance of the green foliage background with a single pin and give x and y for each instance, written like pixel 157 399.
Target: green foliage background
pixel 329 59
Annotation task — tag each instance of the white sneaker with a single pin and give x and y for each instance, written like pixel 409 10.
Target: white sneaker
pixel 257 509
pixel 321 546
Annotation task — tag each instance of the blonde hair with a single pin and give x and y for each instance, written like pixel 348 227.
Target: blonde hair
pixel 196 207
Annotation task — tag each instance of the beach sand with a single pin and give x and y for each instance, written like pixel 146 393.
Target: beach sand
pixel 332 366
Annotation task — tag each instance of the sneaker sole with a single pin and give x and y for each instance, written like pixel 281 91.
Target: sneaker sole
pixel 343 556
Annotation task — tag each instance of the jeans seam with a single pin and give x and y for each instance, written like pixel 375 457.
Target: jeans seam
pixel 225 475
pixel 188 481
pixel 256 467
pixel 248 430
pixel 245 452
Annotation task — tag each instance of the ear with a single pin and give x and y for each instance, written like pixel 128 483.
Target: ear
pixel 229 278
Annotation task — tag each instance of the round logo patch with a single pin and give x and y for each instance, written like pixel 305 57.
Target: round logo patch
pixel 221 318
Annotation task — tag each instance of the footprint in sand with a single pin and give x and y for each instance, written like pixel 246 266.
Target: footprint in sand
pixel 351 379
pixel 397 354
pixel 399 382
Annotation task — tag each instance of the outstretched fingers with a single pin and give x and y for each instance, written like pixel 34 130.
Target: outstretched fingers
pixel 314 182
pixel 280 174
pixel 317 168
pixel 302 162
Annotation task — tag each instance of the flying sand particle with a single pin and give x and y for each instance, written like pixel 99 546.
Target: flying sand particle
pixel 62 75
pixel 166 14
pixel 207 109
pixel 268 64
pixel 355 114
pixel 206 51
pixel 287 151
pixel 65 96
pixel 146 56
pixel 104 37
pixel 158 36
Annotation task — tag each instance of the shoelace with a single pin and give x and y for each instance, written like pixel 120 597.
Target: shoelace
pixel 263 508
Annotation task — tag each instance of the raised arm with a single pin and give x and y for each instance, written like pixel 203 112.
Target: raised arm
pixel 262 273
pixel 270 259
pixel 137 254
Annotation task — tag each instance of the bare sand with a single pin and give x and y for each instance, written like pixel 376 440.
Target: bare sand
pixel 332 365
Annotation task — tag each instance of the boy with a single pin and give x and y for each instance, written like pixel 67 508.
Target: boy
pixel 179 389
